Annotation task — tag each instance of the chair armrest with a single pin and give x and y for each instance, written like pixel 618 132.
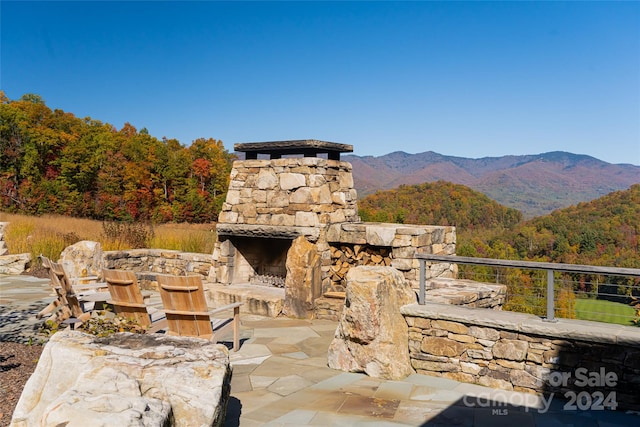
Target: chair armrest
pixel 82 280
pixel 95 297
pixel 187 312
pixel 88 286
pixel 225 308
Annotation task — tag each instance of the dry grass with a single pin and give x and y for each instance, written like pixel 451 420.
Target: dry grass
pixel 50 234
pixel 198 238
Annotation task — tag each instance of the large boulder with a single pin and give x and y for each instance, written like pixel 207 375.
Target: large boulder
pixel 82 259
pixel 303 282
pixel 372 335
pixel 126 379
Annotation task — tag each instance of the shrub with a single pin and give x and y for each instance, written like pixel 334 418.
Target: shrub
pixel 105 326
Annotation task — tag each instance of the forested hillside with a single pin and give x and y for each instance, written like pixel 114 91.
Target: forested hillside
pixel 438 203
pixel 605 231
pixel 54 162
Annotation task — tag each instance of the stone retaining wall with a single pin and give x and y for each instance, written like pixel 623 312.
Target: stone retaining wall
pixel 149 262
pixel 328 308
pixel 597 362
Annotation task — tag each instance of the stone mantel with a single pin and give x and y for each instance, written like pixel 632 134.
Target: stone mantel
pixel 274 232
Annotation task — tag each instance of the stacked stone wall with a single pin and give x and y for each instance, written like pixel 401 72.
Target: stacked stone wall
pixel 148 262
pixel 514 351
pixel 329 308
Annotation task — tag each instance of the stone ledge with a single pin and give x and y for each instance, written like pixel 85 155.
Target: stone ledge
pixel 465 292
pixel 157 253
pixel 383 233
pixel 582 330
pixel 261 300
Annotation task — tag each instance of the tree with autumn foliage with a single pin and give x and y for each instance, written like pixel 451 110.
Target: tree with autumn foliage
pixel 54 162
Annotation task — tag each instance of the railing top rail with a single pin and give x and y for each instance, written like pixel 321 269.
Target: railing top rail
pixel 574 268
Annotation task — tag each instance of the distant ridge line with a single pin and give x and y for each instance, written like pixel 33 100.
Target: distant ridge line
pixel 535 184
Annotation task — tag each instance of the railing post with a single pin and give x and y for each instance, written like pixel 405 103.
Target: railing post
pixel 423 279
pixel 550 294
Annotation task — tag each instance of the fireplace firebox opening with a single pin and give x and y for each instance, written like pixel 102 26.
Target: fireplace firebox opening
pixel 259 261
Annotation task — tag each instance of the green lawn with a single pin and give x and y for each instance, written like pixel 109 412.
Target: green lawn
pixel 604 311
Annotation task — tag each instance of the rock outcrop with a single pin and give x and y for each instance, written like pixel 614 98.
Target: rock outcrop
pixel 126 379
pixel 303 282
pixel 372 335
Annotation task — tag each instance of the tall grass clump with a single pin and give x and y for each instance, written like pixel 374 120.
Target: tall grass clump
pixel 38 236
pixel 126 235
pixel 197 238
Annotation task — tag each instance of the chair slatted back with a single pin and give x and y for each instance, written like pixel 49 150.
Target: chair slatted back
pixel 59 307
pixel 126 297
pixel 59 279
pixel 185 306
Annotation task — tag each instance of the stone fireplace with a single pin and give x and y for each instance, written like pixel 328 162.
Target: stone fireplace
pixel 284 191
pixel 272 201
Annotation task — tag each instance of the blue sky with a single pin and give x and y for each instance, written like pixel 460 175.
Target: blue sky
pixel 469 79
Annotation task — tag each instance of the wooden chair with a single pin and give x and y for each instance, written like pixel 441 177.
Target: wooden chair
pixel 128 301
pixel 187 312
pixel 68 304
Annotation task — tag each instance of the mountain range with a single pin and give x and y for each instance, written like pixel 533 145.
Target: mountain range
pixel 535 184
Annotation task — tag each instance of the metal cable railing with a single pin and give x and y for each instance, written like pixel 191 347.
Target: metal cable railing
pixel 577 278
